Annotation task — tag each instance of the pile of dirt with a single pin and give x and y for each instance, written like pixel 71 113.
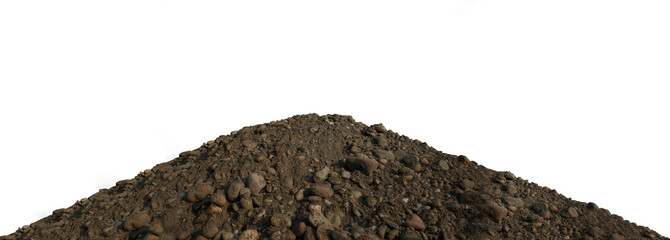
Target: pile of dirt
pixel 327 177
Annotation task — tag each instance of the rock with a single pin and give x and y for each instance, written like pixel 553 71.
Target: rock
pixel 220 200
pixel 316 217
pixel 415 222
pixel 495 211
pixel 210 229
pixel 136 221
pixel 361 163
pixel 336 235
pixel 199 191
pixel 572 212
pixel 388 155
pixel 277 220
pixel 466 184
pixel 249 234
pixel 381 231
pixel 156 229
pixel 234 190
pixel 443 165
pixel 409 236
pixel 321 175
pixel 322 232
pixel 616 236
pixel 378 128
pixel 256 183
pixel 513 202
pixel 370 201
pixel 309 234
pixel 299 229
pixel 346 174
pixel 245 193
pixel 246 203
pixel 595 232
pixel 539 207
pixel 322 190
pixel 227 236
pixel 300 195
pixel 335 218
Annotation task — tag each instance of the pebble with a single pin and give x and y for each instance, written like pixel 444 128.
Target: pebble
pixel 227 236
pixel 616 236
pixel 156 229
pixel 316 218
pixel 415 222
pixel 409 236
pixel 136 221
pixel 388 155
pixel 322 232
pixel 361 163
pixel 234 190
pixel 246 203
pixel 245 193
pixel 277 220
pixel 572 212
pixel 443 165
pixel 513 202
pixel 210 229
pixel 300 229
pixel 256 183
pixel 250 234
pixel 322 190
pixel 300 195
pixel 336 235
pixel 220 200
pixel 346 174
pixel 199 191
pixel 495 211
pixel 321 175
pixel 370 201
pixel 466 184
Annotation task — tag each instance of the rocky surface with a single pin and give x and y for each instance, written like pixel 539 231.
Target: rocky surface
pixel 327 177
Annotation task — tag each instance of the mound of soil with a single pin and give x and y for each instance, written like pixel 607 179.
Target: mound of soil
pixel 327 177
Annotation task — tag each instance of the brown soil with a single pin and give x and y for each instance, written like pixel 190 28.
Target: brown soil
pixel 327 177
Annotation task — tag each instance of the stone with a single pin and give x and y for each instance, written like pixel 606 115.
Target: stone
pixel 249 234
pixel 136 221
pixel 210 229
pixel 300 195
pixel 336 235
pixel 415 222
pixel 572 212
pixel 199 191
pixel 322 190
pixel 234 190
pixel 385 154
pixel 346 174
pixel 361 163
pixel 616 236
pixel 220 200
pixel 246 203
pixel 495 211
pixel 443 165
pixel 256 183
pixel 513 202
pixel 321 175
pixel 156 229
pixel 466 184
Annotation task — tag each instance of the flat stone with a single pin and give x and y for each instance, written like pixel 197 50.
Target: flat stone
pixel 256 183
pixel 234 190
pixel 199 191
pixel 385 154
pixel 136 221
pixel 321 175
pixel 322 190
pixel 443 165
pixel 415 222
pixel 361 163
pixel 572 212
pixel 250 234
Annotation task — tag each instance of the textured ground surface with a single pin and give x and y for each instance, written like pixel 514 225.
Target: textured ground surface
pixel 327 177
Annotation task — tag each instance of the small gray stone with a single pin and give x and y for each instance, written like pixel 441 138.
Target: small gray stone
pixel 346 174
pixel 199 191
pixel 361 163
pixel 250 234
pixel 388 155
pixel 220 200
pixel 256 183
pixel 443 165
pixel 466 184
pixel 234 190
pixel 415 222
pixel 514 202
pixel 209 230
pixel 321 175
pixel 136 221
pixel 572 212
pixel 322 190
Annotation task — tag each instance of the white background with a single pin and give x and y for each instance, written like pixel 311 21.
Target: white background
pixel 568 94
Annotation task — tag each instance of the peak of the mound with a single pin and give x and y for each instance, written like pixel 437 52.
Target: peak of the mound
pixel 327 177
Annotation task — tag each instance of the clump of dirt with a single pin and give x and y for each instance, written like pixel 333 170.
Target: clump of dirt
pixel 327 177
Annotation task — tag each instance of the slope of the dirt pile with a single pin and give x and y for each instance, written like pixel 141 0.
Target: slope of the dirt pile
pixel 327 177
